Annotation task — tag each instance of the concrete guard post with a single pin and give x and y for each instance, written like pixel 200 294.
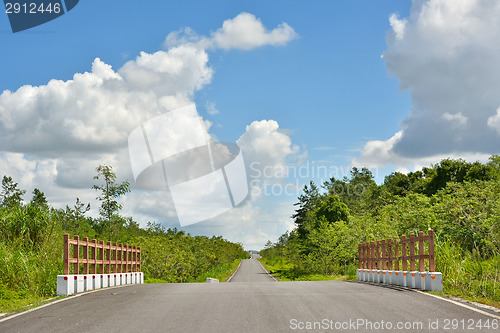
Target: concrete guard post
pixel 212 280
pixel 88 284
pixel 398 278
pixel 433 281
pixel 96 281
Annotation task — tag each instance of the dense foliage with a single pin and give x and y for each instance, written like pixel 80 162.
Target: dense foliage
pixel 31 237
pixel 459 200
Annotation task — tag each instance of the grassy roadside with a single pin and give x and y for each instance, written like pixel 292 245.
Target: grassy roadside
pixel 285 272
pixel 8 306
pixel 12 302
pixel 221 273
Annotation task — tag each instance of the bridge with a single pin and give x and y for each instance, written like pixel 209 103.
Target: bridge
pixel 253 301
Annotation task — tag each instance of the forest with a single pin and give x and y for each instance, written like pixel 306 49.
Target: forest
pixel 31 239
pixel 459 200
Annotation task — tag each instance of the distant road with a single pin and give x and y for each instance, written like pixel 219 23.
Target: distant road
pixel 249 305
pixel 251 270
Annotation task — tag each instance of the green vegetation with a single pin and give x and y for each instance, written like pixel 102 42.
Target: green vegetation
pixel 459 200
pixel 31 251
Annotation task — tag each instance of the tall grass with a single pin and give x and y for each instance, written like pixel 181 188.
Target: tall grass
pixel 32 270
pixel 467 274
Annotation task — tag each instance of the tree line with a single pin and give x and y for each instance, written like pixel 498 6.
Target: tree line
pixel 31 236
pixel 458 199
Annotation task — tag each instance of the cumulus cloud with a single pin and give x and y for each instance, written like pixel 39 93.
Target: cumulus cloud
pixel 378 153
pixel 243 32
pixel 398 26
pixel 494 121
pixel 96 111
pixel 54 135
pixel 445 54
pixel 456 119
pixel 211 109
pixel 266 150
pixel 246 32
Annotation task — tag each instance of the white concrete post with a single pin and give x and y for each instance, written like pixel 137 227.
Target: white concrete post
pixel 104 281
pixel 79 283
pixel 87 282
pixel 434 281
pixel 96 281
pixel 65 286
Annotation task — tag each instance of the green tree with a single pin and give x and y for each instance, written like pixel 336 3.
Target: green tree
pixel 39 199
pixel 307 202
pixel 11 196
pixel 110 192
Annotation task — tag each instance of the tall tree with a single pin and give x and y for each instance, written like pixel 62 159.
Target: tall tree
pixel 11 195
pixel 110 192
pixel 307 202
pixel 39 199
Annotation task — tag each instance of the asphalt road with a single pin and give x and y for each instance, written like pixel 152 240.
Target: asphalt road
pixel 252 302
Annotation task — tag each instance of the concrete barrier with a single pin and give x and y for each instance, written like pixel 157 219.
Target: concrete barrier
pixel 73 284
pixel 430 281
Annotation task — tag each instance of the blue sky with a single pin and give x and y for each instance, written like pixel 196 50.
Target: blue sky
pixel 322 94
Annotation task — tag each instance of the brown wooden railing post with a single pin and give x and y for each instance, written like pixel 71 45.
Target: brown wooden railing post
pixel 390 258
pixel 421 248
pixel 86 255
pixel 404 252
pixel 139 259
pixel 134 256
pixel 108 257
pixel 119 250
pixel 412 252
pixel 372 255
pixel 76 254
pixel 396 253
pixel 115 265
pixel 101 257
pixel 66 254
pixel 93 257
pixel 432 264
pixel 384 254
pixel 126 258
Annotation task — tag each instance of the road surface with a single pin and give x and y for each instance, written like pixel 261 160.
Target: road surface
pixel 251 302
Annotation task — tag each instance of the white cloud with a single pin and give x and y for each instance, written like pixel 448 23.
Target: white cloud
pixel 456 119
pixel 398 26
pixel 211 109
pixel 377 153
pixel 266 150
pixel 494 121
pixel 246 32
pixel 445 54
pixel 96 111
pixel 243 32
pixel 53 136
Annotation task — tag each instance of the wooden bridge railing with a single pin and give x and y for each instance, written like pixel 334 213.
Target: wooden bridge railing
pixel 98 258
pixel 388 253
